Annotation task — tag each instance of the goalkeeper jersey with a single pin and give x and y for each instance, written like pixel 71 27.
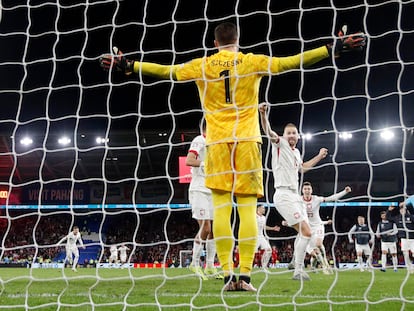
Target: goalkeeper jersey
pixel 228 85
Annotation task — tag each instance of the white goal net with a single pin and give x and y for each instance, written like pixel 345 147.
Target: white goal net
pixel 105 152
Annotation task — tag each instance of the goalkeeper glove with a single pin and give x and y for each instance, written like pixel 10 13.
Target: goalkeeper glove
pixel 346 43
pixel 117 62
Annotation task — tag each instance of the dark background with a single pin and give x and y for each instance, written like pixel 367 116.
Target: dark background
pixel 51 84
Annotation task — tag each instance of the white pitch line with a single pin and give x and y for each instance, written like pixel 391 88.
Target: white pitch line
pixel 327 299
pixel 215 295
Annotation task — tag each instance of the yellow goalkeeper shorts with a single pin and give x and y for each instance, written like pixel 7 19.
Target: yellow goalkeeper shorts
pixel 235 167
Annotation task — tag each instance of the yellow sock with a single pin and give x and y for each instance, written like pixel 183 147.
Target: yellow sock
pixel 222 230
pixel 246 207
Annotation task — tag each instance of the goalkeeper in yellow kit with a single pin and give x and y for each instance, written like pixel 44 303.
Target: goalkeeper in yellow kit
pixel 228 85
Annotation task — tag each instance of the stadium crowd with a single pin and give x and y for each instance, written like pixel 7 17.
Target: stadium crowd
pixel 155 236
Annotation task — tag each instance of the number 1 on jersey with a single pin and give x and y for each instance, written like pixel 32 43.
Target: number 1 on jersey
pixel 226 74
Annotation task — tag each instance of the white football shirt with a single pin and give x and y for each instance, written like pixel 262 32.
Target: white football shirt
pixel 312 208
pixel 261 224
pixel 198 183
pixel 285 165
pixel 123 251
pixel 114 251
pixel 72 239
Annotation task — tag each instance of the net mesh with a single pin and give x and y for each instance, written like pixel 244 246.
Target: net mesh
pixel 82 147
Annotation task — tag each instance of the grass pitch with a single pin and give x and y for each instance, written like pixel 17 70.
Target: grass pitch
pixel 179 289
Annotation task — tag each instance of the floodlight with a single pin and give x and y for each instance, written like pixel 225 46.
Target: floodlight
pixel 387 134
pixel 64 140
pixel 307 136
pixel 26 141
pixel 101 140
pixel 345 135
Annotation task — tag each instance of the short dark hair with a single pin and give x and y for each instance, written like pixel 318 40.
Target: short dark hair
pixel 307 183
pixel 383 212
pixel 291 125
pixel 226 33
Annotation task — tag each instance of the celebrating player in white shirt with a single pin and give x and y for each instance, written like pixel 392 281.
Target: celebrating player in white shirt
pixel 286 163
pixel 312 204
pixel 262 240
pixel 71 246
pixel 123 253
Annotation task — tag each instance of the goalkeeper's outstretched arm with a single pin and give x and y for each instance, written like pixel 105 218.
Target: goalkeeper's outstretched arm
pixel 343 43
pixel 156 70
pixel 118 62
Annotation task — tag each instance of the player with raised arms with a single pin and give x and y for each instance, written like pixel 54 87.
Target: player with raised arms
pixel 228 84
pixel 286 164
pixel 312 204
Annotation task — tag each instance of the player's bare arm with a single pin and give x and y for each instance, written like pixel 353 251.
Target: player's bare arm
pixel 192 160
pixel 338 195
pixel 263 110
pixel 350 233
pixel 274 228
pixel 323 152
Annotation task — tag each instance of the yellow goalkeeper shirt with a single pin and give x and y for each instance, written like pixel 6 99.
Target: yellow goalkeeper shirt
pixel 228 85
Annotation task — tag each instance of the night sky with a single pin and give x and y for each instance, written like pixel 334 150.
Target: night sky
pixel 61 45
pixel 50 79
